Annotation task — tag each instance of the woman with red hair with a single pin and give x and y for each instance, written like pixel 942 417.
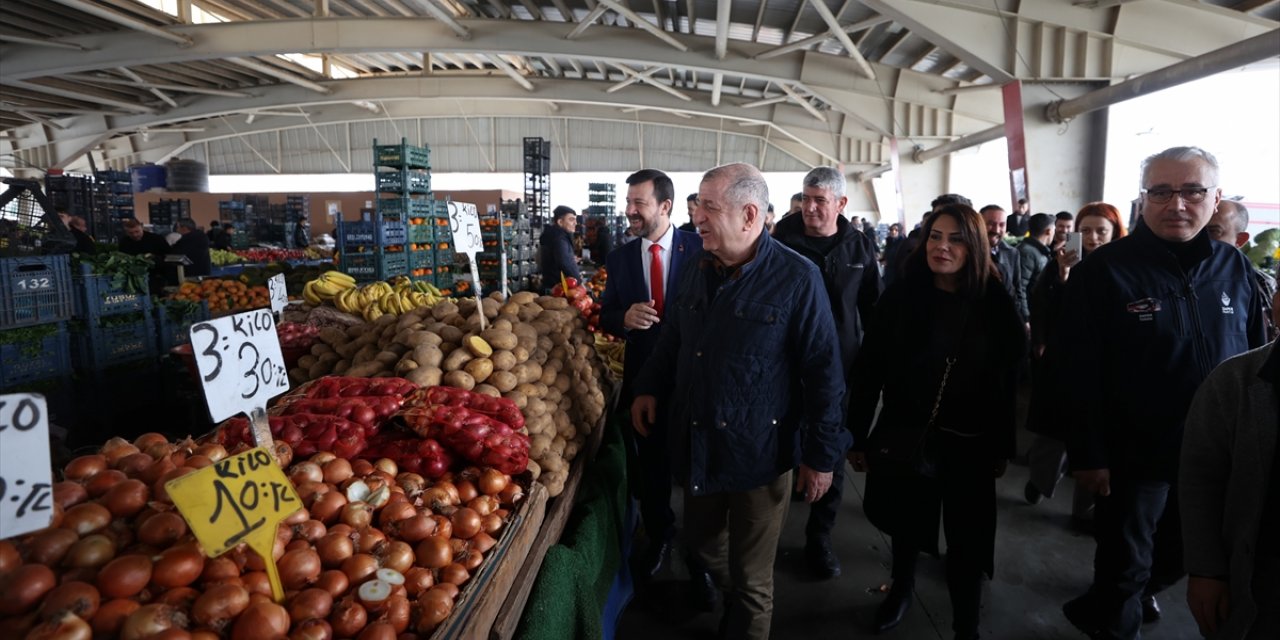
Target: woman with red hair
pixel 1097 223
pixel 942 340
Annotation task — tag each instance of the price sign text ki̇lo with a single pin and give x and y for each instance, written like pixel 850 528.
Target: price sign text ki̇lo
pixel 241 367
pixel 239 499
pixel 26 497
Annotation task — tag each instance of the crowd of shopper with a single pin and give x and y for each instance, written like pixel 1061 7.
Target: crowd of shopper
pixel 742 391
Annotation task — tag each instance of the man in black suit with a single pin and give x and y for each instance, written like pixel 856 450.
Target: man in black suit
pixel 194 244
pixel 1006 258
pixel 643 278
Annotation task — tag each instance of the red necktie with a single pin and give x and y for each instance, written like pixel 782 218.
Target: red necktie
pixel 655 277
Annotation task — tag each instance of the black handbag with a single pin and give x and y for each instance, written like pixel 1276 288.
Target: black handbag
pixel 919 455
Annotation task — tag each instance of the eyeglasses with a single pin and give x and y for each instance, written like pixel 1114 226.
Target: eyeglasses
pixel 1189 195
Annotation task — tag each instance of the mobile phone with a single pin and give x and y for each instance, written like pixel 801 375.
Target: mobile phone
pixel 1072 243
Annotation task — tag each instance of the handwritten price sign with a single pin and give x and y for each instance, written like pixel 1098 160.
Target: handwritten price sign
pixel 241 367
pixel 278 293
pixel 464 222
pixel 239 499
pixel 26 502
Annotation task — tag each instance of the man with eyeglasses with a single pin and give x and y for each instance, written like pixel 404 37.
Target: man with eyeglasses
pixel 1154 313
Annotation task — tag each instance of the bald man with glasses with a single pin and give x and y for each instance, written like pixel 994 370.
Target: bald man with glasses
pixel 1153 313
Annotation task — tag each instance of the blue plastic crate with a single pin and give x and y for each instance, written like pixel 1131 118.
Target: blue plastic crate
pixel 34 290
pixel 94 348
pixel 27 360
pixel 421 260
pixel 406 207
pixel 421 233
pixel 379 265
pixel 444 257
pixel 96 297
pixel 372 234
pixel 401 155
pixel 171 331
pixel 403 181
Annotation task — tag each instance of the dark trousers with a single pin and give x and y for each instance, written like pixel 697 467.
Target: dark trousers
pixel 1139 551
pixel 822 514
pixel 653 488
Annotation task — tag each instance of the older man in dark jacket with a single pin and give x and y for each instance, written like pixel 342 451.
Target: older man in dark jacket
pixel 748 367
pixel 847 260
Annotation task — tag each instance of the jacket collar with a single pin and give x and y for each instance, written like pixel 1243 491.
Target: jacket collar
pixel 1201 244
pixel 765 245
pixel 792 227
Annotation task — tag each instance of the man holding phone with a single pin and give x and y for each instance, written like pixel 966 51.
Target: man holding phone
pixel 1136 369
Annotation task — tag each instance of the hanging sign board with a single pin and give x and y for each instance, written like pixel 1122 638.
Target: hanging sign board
pixel 26 495
pixel 241 367
pixel 464 222
pixel 239 499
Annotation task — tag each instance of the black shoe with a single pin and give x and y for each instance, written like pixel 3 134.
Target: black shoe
pixel 1031 494
pixel 821 559
pixel 1081 614
pixel 655 557
pixel 1150 609
pixel 704 593
pixel 890 612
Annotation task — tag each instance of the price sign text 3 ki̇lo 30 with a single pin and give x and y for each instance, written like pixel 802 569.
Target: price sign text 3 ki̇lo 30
pixel 241 367
pixel 240 499
pixel 26 496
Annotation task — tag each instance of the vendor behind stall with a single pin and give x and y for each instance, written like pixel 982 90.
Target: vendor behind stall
pixel 193 244
pixel 137 241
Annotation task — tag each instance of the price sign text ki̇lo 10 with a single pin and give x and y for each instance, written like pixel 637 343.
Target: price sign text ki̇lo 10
pixel 241 367
pixel 239 499
pixel 26 496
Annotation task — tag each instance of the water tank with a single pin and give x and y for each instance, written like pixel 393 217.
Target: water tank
pixel 187 176
pixel 145 177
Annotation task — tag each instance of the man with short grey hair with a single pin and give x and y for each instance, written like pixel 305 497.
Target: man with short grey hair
pixel 847 260
pixel 1152 314
pixel 193 244
pixel 736 351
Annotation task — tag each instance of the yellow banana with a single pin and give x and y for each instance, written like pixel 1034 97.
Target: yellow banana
pixel 339 278
pixel 309 294
pixel 325 289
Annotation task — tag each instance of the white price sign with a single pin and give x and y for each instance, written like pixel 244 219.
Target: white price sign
pixel 26 476
pixel 277 293
pixel 240 366
pixel 464 222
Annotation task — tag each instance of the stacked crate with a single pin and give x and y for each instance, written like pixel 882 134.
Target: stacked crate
pixel 114 193
pixel 378 249
pixel 173 322
pixel 110 326
pixel 504 231
pixel 35 302
pixel 164 214
pixel 430 243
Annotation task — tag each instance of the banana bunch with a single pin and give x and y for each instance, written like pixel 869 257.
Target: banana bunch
pixel 327 287
pixel 379 298
pixel 614 354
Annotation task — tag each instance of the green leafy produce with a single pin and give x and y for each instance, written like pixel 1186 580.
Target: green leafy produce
pixel 180 311
pixel 128 273
pixel 31 338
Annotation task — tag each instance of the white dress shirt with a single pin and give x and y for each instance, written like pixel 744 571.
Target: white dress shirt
pixel 646 257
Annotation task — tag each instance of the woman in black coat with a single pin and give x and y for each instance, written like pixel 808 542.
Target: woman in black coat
pixel 943 350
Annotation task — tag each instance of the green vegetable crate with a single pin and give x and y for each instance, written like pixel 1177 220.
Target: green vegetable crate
pixel 104 295
pixel 34 290
pixel 174 319
pixel 34 353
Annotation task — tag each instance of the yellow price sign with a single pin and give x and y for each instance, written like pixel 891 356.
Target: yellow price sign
pixel 239 499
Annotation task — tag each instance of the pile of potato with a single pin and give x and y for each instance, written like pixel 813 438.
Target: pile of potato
pixel 534 351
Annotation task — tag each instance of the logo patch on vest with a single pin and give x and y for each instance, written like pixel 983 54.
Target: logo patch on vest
pixel 1227 309
pixel 1145 308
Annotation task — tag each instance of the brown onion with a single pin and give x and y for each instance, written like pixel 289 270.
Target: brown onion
pixel 456 574
pixel 322 457
pixel 387 466
pixel 444 526
pixel 310 530
pixel 396 555
pixel 162 529
pixel 466 523
pixel 151 439
pixel 348 618
pixel 178 567
pixel 49 546
pixel 491 524
pixel 156 471
pixel 369 539
pixel 414 529
pixel 483 542
pixel 361 468
pixel 214 452
pixel 198 462
pixel 158 490
pixel 418 580
pixel 220 569
pixel 299 568
pixel 434 552
pixel 310 603
pixel 182 598
pixel 257 582
pixel 334 548
pixel 125 576
pixel 172 633
pixel 23 589
pixel 449 587
pixel 466 490
pixel 378 631
pixel 90 551
pixel 398 612
pixel 337 471
pixel 306 472
pixel 10 559
pixel 433 607
pixel 395 512
pixel 484 505
pixel 471 559
pixel 79 598
pixel 63 626
pixel 84 467
pixel 126 499
pixel 133 464
pixel 115 455
pixel 101 482
pixel 357 514
pixel 86 518
pixel 334 581
pixel 111 616
pixel 359 568
pixel 219 605
pixel 151 619
pixel 492 482
pixel 328 507
pixel 436 498
pixel 69 493
pixel 312 630
pixel 261 620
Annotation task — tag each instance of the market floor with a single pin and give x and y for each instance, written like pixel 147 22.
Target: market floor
pixel 1041 562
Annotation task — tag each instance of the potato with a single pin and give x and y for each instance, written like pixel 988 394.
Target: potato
pixel 340 367
pixel 444 309
pixel 307 361
pixel 386 320
pixel 523 297
pixel 539 445
pixel 478 346
pixel 459 379
pixel 500 339
pixel 333 336
pixel 428 355
pixel 364 369
pixel 453 334
pixel 456 359
pixel 320 348
pixel 319 369
pixel 534 468
pixel 521 353
pixel 571 449
pixel 503 360
pixel 520 399
pixel 298 376
pixel 504 381
pixel 424 376
pixel 387 358
pixel 548 302
pixel 419 338
pixel 480 369
pixel 549 377
pixel 509 308
pixel 405 366
pixel 488 390
pixel 490 307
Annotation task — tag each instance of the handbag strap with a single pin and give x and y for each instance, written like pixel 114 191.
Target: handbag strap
pixel 937 402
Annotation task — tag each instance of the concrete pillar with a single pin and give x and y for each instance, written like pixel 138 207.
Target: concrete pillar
pixel 1065 162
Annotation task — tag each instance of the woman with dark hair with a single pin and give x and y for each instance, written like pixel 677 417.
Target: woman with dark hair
pixel 1097 223
pixel 943 350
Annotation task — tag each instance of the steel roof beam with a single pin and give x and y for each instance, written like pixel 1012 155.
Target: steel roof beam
pixel 279 74
pixel 930 21
pixel 125 21
pixel 635 19
pixel 42 43
pixel 76 95
pixel 861 25
pixel 838 31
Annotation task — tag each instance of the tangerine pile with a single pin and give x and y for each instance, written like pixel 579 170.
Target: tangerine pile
pixel 224 295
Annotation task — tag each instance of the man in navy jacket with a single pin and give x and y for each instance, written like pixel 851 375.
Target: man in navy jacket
pixel 1152 314
pixel 630 310
pixel 745 366
pixel 557 248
